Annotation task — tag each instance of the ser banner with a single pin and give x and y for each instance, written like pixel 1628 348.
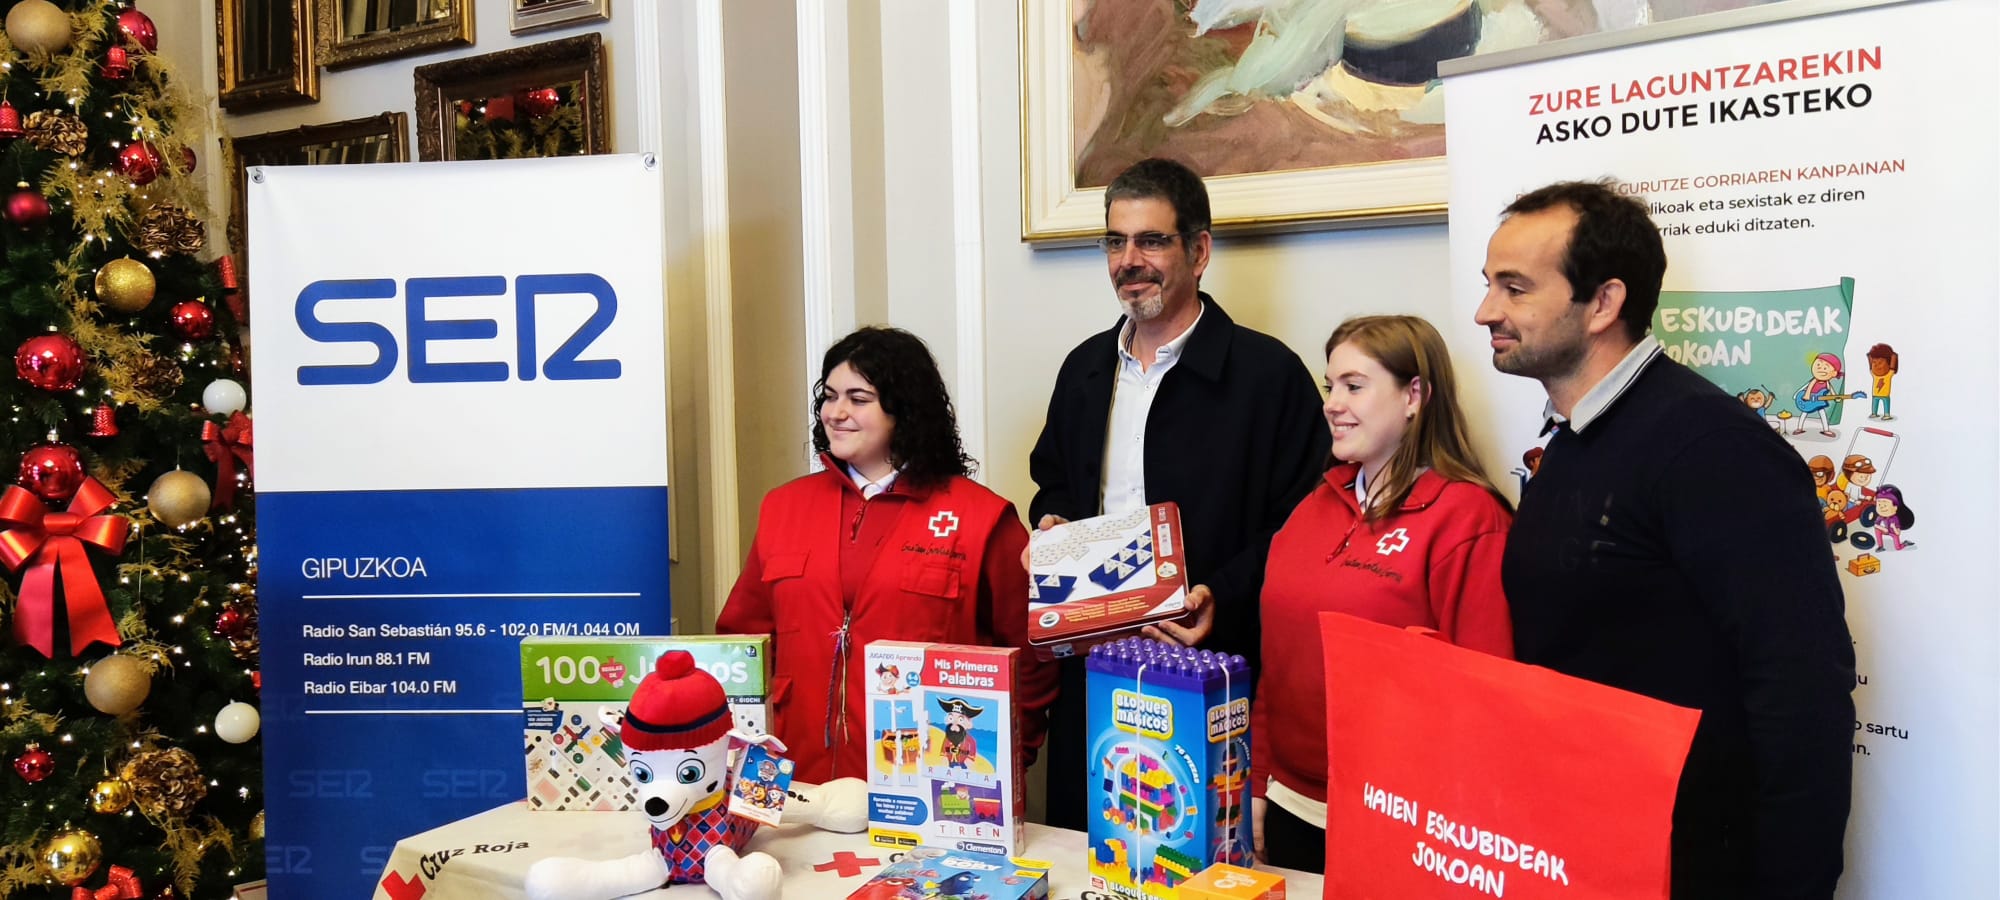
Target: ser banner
pixel 461 443
pixel 1826 189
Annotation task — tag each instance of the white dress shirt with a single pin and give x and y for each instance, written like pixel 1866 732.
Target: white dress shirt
pixel 1124 487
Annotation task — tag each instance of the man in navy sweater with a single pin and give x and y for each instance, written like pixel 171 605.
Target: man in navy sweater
pixel 1671 545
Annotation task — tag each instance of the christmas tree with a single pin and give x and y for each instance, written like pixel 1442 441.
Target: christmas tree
pixel 128 638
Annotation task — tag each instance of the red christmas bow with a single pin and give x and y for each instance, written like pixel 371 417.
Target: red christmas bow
pixel 120 884
pixel 54 543
pixel 225 444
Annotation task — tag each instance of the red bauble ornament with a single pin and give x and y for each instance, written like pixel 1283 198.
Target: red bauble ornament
pixel 192 320
pixel 139 162
pixel 139 29
pixel 34 764
pixel 500 109
pixel 51 471
pixel 229 623
pixel 540 101
pixel 51 362
pixel 187 160
pixel 10 121
pixel 27 208
pixel 116 66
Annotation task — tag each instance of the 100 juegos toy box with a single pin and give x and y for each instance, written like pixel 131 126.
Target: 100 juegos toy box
pixel 574 689
pixel 944 747
pixel 1168 729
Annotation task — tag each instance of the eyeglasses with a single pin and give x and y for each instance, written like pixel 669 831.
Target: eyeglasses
pixel 1148 242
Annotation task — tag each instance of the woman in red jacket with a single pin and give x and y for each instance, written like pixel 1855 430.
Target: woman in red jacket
pixel 891 541
pixel 1403 530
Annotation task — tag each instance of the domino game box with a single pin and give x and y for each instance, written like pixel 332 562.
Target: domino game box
pixel 1096 579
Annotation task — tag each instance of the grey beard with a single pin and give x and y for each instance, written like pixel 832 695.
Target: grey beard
pixel 1144 310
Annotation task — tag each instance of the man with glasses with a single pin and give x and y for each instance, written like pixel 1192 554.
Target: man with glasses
pixel 1178 403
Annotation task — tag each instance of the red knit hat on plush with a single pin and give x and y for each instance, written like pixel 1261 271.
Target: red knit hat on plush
pixel 677 707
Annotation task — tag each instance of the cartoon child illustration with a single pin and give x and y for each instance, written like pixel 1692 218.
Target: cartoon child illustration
pixel 1820 392
pixel 1761 400
pixel 888 679
pixel 960 747
pixel 1822 473
pixel 1890 518
pixel 1882 366
pixel 1856 471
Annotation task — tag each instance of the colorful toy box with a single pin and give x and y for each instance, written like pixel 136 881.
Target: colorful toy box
pixel 928 872
pixel 945 754
pixel 1168 729
pixel 1095 579
pixel 574 688
pixel 1226 882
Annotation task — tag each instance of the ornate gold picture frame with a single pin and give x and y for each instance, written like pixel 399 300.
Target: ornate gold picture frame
pixel 264 54
pixel 354 32
pixel 544 99
pixel 535 15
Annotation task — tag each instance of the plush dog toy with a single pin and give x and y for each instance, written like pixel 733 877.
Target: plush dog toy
pixel 677 736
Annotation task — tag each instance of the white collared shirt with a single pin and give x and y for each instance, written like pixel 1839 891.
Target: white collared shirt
pixel 869 489
pixel 1601 395
pixel 1124 487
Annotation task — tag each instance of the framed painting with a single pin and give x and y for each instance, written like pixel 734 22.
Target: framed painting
pixel 544 99
pixel 264 54
pixel 535 15
pixel 354 32
pixel 1300 113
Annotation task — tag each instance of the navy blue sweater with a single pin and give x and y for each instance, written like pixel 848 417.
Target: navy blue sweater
pixel 1675 548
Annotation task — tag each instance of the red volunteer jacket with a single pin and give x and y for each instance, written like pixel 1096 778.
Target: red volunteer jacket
pixel 1434 562
pixel 948 572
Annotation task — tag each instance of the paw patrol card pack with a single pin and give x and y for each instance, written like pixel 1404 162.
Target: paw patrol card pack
pixel 1168 730
pixel 945 754
pixel 1094 579
pixel 927 872
pixel 575 688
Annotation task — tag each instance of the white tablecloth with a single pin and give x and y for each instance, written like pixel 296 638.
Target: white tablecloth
pixel 487 855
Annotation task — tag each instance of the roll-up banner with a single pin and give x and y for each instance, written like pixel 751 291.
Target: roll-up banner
pixel 1826 188
pixel 460 400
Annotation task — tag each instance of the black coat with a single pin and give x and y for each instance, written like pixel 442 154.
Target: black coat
pixel 1235 436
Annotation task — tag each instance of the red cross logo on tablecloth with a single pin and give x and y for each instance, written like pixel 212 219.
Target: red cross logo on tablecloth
pixel 846 864
pixel 944 523
pixel 398 888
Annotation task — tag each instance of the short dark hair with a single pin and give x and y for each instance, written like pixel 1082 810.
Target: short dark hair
pixel 925 442
pixel 1613 238
pixel 1164 179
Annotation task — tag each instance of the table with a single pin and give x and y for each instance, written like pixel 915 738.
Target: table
pixel 486 856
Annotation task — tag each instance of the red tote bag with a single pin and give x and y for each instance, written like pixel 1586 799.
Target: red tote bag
pixel 1455 774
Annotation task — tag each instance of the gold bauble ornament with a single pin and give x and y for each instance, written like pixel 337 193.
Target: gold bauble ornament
pixel 178 498
pixel 110 797
pixel 257 826
pixel 125 285
pixel 72 856
pixel 117 685
pixel 38 26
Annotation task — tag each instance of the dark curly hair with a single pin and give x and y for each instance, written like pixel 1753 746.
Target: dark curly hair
pixel 924 442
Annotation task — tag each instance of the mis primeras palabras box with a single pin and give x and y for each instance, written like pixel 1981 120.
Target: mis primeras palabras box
pixel 944 747
pixel 574 689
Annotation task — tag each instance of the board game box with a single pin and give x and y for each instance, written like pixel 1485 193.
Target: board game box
pixel 574 689
pixel 1096 579
pixel 929 872
pixel 945 756
pixel 1168 729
